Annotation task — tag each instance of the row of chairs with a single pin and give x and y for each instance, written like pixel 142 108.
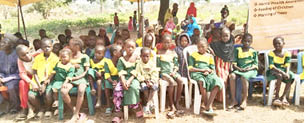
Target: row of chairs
pixel 188 84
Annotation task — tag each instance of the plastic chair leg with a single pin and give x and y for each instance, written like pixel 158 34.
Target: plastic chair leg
pixel 89 99
pixel 186 93
pixel 271 91
pixel 297 90
pixel 156 103
pixel 238 90
pixel 163 95
pixel 250 90
pixel 197 100
pixel 264 91
pixel 60 107
pixel 190 92
pixel 224 97
pixel 125 112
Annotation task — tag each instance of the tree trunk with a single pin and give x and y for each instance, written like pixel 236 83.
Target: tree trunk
pixel 102 5
pixel 164 5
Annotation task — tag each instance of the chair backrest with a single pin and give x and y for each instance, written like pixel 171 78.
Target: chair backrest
pixel 186 52
pixel 300 62
pixel 266 61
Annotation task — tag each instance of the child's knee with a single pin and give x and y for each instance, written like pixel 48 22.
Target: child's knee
pixel 82 88
pixel 232 76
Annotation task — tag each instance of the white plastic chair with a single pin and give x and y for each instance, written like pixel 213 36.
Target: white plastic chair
pixel 272 83
pixel 156 104
pixel 163 88
pixel 298 83
pixel 197 96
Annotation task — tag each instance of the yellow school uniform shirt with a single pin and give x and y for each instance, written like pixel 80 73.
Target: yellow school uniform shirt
pixel 43 66
pixel 110 69
pixel 98 66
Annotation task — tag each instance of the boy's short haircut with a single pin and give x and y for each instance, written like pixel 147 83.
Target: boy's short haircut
pixel 42 30
pixel 67 50
pixel 78 42
pixel 145 49
pixel 46 40
pixel 91 33
pixel 113 48
pixel 203 40
pixel 279 37
pixel 61 35
pixel 60 46
pixel 247 35
pixel 125 30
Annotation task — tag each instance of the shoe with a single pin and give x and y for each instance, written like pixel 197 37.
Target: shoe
pixel 210 112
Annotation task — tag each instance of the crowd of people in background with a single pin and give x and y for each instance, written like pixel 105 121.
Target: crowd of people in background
pixel 32 75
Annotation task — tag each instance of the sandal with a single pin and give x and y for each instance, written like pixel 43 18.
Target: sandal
pixel 179 113
pixel 55 104
pixel 285 103
pixel 210 112
pixel 139 114
pixel 39 115
pixel 146 110
pixel 108 111
pixel 170 115
pixel 55 112
pixel 116 120
pixel 277 102
pixel 48 114
pixel 82 117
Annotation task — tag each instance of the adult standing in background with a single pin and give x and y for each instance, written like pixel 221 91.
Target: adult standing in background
pixel 191 11
pixel 174 13
pixel 116 20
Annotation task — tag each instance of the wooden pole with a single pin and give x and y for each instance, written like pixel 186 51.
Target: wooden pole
pixel 142 15
pixel 24 29
pixel 139 12
pixel 18 17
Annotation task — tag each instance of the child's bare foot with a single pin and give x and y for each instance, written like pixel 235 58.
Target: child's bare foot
pixel 232 105
pixel 277 102
pixel 98 104
pixel 73 119
pixel 243 105
pixel 55 104
pixel 285 102
pixel 173 108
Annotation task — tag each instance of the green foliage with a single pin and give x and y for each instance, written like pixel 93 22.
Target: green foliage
pixel 44 7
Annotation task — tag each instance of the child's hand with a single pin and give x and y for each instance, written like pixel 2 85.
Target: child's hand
pixel 42 89
pixel 172 74
pixel 124 86
pixel 206 73
pixel 93 91
pixel 114 83
pixel 34 87
pixel 47 81
pixel 77 66
pixel 286 76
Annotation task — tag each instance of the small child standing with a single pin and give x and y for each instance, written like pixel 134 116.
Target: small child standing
pixel 95 73
pixel 43 66
pixel 130 26
pixel 134 21
pixel 245 66
pixel 202 68
pixel 279 69
pixel 116 21
pixel 62 72
pixel 168 62
pixel 148 75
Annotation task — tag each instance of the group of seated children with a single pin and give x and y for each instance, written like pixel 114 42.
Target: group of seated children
pixel 124 71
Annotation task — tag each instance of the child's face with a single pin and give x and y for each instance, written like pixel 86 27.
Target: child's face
pixel 125 35
pixel 184 42
pixel 202 47
pixel 42 33
pixel 129 47
pixel 99 53
pixel 247 42
pixel 145 56
pixel 278 44
pixel 117 53
pixel 119 42
pixel 56 49
pixel 100 42
pixel 148 41
pixel 46 47
pixel 68 33
pixel 74 47
pixel 102 32
pixel 225 35
pixel 91 41
pixel 196 32
pixel 37 45
pixel 166 42
pixel 62 39
pixel 65 58
pixel 24 55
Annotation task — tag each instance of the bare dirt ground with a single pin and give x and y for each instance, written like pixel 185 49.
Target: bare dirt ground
pixel 254 113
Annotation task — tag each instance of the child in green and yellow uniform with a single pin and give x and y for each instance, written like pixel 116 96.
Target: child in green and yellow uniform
pixel 95 73
pixel 62 72
pixel 245 66
pixel 111 73
pixel 81 63
pixel 279 69
pixel 202 68
pixel 43 66
pixel 168 62
pixel 130 84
